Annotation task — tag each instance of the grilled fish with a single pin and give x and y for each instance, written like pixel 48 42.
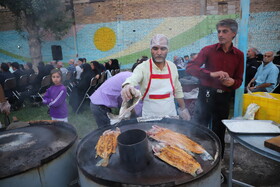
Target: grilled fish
pixel 182 141
pixel 177 158
pixel 106 146
pixel 125 110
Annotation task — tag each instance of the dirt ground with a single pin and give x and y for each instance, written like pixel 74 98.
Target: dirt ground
pixel 250 167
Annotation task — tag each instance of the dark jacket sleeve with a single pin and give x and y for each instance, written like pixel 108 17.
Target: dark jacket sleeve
pixel 194 66
pixel 84 83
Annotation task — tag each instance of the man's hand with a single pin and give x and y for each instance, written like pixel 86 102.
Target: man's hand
pixel 128 92
pixel 221 75
pixel 228 81
pixel 251 88
pixel 184 114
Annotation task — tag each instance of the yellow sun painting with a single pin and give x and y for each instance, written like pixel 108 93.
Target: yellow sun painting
pixel 104 39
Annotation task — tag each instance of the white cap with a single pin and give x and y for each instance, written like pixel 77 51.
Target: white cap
pixel 159 39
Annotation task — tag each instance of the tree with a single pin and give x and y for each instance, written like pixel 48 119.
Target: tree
pixel 37 18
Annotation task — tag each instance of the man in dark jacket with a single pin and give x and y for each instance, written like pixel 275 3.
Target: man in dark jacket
pixel 252 64
pixel 28 69
pixel 5 74
pixel 17 73
pixel 277 58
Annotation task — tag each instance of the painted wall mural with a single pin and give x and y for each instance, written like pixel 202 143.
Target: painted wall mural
pixel 129 40
pixel 104 39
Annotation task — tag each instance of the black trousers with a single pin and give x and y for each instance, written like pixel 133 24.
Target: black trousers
pixel 213 106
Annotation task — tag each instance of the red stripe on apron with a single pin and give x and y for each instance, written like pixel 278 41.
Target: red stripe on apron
pixel 160 76
pixel 149 84
pixel 164 96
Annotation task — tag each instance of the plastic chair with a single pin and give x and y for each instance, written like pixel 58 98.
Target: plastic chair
pixel 117 71
pixel 10 85
pixel 67 78
pixel 72 82
pixel 93 84
pixel 101 79
pixel 22 83
pixel 74 76
pixel 32 78
pixel 113 72
pixel 45 83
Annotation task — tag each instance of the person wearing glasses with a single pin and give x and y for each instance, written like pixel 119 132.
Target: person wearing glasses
pixel 265 79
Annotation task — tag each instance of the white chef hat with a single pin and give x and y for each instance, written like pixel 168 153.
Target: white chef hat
pixel 159 39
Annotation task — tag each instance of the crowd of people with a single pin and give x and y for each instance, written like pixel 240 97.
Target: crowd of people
pixel 80 72
pixel 261 74
pixel 219 68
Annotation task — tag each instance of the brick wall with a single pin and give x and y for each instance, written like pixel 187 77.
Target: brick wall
pixel 115 10
pixel 7 20
pixel 189 23
pixel 264 6
pixel 112 10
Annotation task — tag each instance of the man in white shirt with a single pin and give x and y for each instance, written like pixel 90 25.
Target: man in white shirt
pixel 159 83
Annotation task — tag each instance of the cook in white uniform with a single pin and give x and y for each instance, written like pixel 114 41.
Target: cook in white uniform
pixel 158 79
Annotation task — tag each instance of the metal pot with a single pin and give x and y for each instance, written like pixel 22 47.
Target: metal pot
pixel 134 150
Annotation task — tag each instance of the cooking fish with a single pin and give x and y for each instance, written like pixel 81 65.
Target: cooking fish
pixel 125 110
pixel 182 141
pixel 178 158
pixel 106 146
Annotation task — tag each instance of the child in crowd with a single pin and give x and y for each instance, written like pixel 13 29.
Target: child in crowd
pixel 55 97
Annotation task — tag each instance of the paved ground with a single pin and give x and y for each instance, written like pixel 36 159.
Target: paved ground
pixel 252 168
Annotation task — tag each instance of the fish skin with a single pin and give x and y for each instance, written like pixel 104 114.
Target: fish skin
pixel 106 146
pixel 177 158
pixel 125 110
pixel 182 141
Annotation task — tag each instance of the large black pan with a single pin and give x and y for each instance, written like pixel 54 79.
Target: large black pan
pixel 158 172
pixel 30 147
